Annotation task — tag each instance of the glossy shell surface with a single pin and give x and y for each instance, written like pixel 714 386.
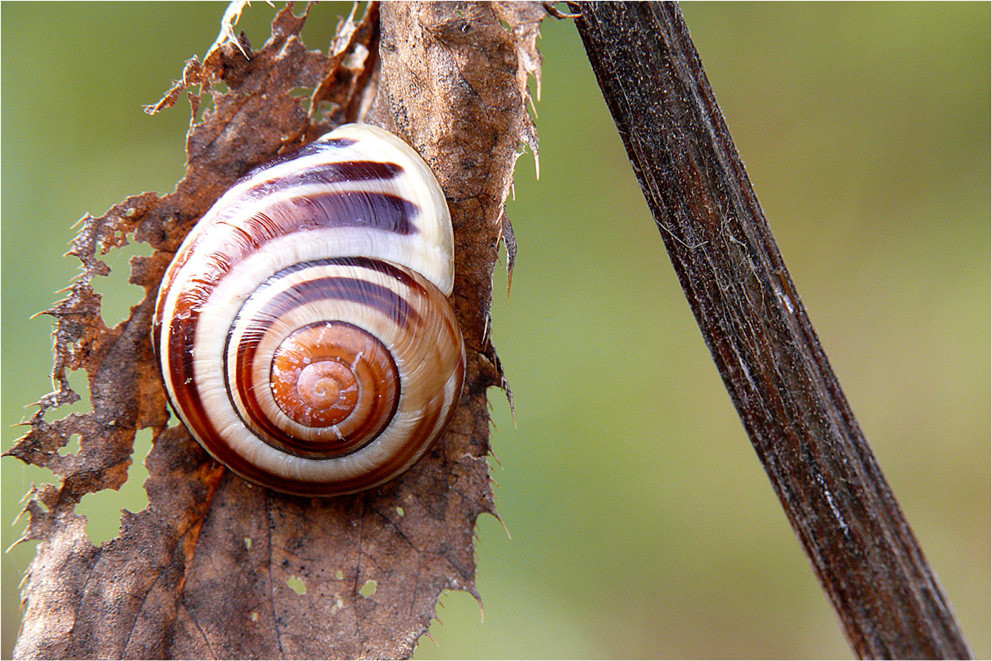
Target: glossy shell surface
pixel 303 329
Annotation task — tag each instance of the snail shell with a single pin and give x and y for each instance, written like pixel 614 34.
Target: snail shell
pixel 303 330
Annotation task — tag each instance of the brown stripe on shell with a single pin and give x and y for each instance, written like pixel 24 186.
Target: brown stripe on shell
pixel 396 273
pixel 182 332
pixel 316 211
pixel 323 174
pixel 345 287
pixel 381 211
pixel 181 338
pixel 333 288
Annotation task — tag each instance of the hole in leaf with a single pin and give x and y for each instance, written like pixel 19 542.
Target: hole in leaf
pixel 207 100
pixel 326 109
pixel 339 575
pixel 104 509
pixel 297 585
pixel 80 384
pixel 368 590
pixel 119 294
pixel 138 473
pixel 320 33
pixel 399 511
pixel 303 94
pixel 71 447
pixel 255 21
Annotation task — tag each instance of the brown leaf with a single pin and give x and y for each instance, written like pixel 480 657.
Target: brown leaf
pixel 214 566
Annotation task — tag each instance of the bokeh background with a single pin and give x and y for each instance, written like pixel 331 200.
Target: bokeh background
pixel 642 523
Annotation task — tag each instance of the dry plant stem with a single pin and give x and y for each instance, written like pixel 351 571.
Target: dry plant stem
pixel 764 346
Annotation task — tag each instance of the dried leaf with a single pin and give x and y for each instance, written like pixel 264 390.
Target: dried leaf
pixel 214 566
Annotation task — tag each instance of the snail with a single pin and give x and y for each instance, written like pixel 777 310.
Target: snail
pixel 302 328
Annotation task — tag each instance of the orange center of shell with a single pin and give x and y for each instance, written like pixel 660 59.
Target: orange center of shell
pixel 320 394
pixel 331 374
pixel 318 385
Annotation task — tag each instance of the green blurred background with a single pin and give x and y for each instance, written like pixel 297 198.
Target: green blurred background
pixel 642 523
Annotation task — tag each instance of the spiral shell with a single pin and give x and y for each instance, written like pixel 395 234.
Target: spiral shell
pixel 303 330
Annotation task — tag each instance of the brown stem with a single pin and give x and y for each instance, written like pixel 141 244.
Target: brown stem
pixel 761 339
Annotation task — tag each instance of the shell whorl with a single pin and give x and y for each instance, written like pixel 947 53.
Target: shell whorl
pixel 302 327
